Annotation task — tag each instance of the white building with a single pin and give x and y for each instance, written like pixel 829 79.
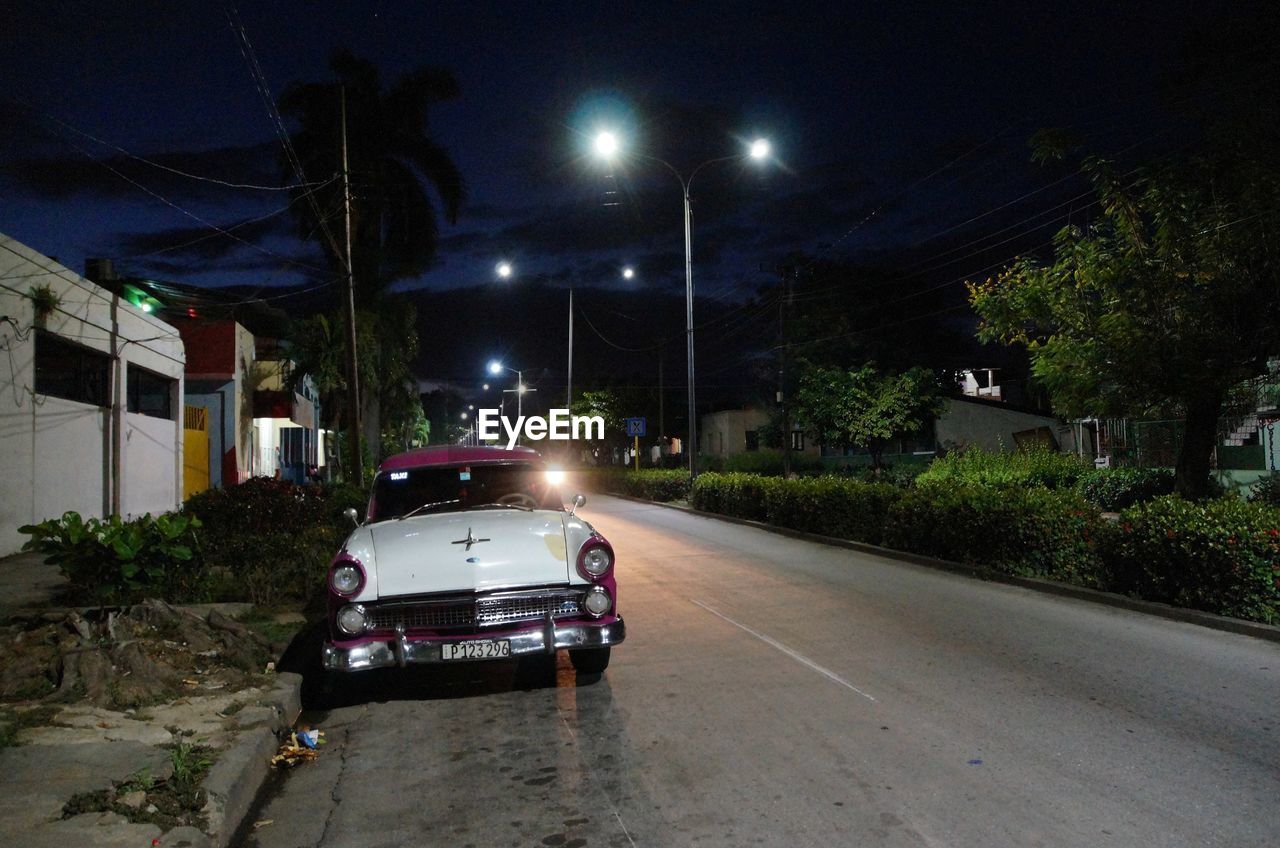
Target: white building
pixel 90 399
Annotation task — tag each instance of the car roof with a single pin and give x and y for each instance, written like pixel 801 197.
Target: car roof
pixel 443 455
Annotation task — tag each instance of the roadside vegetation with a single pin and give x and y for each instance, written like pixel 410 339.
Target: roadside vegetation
pixel 1031 513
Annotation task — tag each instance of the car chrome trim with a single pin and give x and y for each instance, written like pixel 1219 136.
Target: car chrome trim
pixel 405 651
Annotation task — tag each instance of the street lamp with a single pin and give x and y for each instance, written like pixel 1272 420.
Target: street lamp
pixel 627 274
pixel 496 367
pixel 504 270
pixel 607 146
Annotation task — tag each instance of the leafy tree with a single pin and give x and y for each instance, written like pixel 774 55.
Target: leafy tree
pixel 393 163
pixel 866 408
pixel 1161 304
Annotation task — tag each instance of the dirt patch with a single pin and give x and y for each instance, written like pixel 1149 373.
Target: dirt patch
pixel 133 657
pixel 171 802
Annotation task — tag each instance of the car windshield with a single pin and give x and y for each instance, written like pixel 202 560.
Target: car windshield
pixel 424 491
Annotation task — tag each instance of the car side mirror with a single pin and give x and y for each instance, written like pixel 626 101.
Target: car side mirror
pixel 578 500
pixel 350 512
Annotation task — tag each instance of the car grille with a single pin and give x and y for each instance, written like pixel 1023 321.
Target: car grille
pixel 473 613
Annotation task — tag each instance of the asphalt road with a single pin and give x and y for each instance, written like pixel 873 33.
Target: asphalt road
pixel 781 693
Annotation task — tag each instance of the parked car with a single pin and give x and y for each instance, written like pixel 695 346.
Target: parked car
pixel 467 553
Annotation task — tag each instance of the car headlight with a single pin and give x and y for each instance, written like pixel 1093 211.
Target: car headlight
pixel 351 619
pixel 596 560
pixel 345 579
pixel 597 601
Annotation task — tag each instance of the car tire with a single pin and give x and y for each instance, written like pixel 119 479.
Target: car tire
pixel 589 660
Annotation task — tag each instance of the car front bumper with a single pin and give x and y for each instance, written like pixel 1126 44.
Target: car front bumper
pixel 402 650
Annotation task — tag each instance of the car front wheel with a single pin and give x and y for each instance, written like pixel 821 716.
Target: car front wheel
pixel 590 660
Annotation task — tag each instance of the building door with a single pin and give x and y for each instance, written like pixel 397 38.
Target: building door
pixel 195 450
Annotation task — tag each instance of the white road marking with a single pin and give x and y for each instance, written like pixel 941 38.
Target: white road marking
pixel 795 655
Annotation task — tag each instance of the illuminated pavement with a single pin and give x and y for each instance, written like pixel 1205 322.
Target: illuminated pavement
pixel 776 692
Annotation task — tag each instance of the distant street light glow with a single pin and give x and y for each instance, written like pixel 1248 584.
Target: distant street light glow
pixel 606 145
pixel 495 367
pixel 628 273
pixel 759 148
pixel 504 270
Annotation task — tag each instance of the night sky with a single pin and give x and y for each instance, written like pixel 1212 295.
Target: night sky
pixel 900 133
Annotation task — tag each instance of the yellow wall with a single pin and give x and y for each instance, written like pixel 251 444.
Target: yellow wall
pixel 195 450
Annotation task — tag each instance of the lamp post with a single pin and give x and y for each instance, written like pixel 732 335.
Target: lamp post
pixel 607 146
pixel 627 273
pixel 497 367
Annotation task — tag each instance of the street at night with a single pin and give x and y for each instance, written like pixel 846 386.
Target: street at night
pixel 780 692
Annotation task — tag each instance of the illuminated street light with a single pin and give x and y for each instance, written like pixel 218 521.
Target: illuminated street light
pixel 628 273
pixel 496 367
pixel 504 270
pixel 607 146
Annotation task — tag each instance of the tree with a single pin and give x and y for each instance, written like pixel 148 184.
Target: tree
pixel 1159 306
pixel 392 161
pixel 866 408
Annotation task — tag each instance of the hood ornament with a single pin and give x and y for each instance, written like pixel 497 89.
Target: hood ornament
pixel 469 541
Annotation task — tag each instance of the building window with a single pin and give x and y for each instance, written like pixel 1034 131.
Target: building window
pixel 71 371
pixel 753 440
pixel 149 393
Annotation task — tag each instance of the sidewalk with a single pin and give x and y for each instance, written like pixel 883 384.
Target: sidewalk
pixel 61 746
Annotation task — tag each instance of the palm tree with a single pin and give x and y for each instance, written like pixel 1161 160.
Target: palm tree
pixel 392 160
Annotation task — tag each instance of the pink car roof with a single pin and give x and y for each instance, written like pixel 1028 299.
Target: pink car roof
pixel 458 455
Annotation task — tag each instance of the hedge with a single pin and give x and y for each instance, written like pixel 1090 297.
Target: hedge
pixel 1031 532
pixel 1038 466
pixel 1222 556
pixel 1114 489
pixel 651 484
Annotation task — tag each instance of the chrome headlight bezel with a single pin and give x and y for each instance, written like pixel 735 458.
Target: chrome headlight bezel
pixel 351 610
pixel 347 567
pixel 595 559
pixel 596 594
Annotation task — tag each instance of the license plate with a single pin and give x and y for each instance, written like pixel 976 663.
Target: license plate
pixel 483 649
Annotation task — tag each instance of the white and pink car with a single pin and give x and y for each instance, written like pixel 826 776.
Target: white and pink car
pixel 468 553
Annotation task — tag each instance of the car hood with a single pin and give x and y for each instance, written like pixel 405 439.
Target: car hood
pixel 429 553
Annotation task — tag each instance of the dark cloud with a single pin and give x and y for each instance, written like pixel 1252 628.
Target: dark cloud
pixel 98 174
pixel 202 243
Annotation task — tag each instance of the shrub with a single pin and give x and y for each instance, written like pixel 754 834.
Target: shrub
pixel 770 463
pixel 651 484
pixel 738 495
pixel 1222 556
pixel 1267 490
pixel 902 475
pixel 1114 489
pixel 832 506
pixel 270 541
pixel 1038 466
pixel 1025 531
pixel 113 561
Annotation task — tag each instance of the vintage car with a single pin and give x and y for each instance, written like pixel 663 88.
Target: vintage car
pixel 467 553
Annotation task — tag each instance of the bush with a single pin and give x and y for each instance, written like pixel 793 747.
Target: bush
pixel 738 495
pixel 1038 466
pixel 113 561
pixel 1033 532
pixel 651 484
pixel 769 463
pixel 832 506
pixel 270 541
pixel 902 475
pixel 1267 490
pixel 1114 489
pixel 1221 556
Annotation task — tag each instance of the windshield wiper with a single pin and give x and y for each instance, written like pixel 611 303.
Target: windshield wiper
pixel 501 506
pixel 425 507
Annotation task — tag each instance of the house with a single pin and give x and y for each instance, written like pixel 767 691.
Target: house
pixel 91 393
pixel 977 420
pixel 241 420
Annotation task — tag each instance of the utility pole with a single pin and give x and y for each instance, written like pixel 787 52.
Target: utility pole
pixel 354 460
pixel 662 399
pixel 783 303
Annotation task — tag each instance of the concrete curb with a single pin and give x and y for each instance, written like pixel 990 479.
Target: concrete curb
pixel 1050 587
pixel 233 783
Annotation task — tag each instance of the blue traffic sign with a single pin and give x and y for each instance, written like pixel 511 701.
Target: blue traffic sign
pixel 635 426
